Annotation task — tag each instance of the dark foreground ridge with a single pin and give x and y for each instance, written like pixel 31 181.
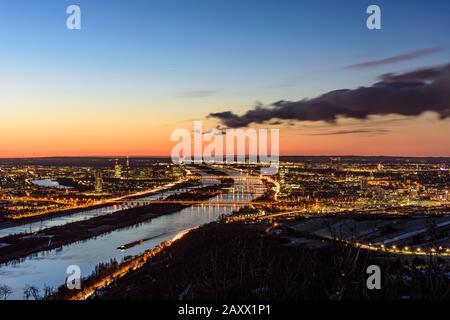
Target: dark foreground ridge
pixel 246 262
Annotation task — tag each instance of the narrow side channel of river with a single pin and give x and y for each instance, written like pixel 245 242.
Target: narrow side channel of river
pixel 49 268
pixel 84 214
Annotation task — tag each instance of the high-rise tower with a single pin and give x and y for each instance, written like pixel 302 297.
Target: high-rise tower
pixel 117 169
pixel 98 181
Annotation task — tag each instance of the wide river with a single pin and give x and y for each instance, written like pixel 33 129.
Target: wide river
pixel 87 214
pixel 49 267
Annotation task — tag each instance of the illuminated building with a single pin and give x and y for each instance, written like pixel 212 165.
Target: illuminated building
pixel 98 182
pixel 364 184
pixel 117 169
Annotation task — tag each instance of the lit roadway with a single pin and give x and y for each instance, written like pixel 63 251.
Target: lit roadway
pixel 407 251
pixel 195 202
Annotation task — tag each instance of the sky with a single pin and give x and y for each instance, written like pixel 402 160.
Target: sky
pixel 137 70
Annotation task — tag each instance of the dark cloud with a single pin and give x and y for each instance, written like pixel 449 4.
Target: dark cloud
pixel 197 94
pixel 396 59
pixel 357 131
pixel 219 130
pixel 276 123
pixel 407 94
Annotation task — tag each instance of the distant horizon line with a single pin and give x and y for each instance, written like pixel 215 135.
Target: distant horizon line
pixel 168 156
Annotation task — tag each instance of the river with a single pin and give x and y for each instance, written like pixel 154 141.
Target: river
pixel 84 214
pixel 49 268
pixel 49 183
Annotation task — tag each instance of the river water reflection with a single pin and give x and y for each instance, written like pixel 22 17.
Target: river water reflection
pixel 49 268
pixel 82 215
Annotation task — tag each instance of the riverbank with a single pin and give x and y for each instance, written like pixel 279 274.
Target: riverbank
pixel 66 212
pixel 18 246
pixel 107 273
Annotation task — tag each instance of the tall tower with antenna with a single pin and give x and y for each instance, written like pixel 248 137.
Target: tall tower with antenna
pixel 127 167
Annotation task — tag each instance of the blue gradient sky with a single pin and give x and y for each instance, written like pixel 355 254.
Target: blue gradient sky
pixel 170 61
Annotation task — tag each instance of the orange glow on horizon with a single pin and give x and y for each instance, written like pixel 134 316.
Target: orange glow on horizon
pixel 424 136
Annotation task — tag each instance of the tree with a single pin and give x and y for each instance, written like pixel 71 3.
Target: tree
pixel 5 291
pixel 48 292
pixel 31 291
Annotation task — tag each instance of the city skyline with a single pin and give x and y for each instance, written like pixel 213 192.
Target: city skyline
pixel 221 158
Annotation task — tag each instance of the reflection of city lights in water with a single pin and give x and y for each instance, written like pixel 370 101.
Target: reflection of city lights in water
pixel 181 234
